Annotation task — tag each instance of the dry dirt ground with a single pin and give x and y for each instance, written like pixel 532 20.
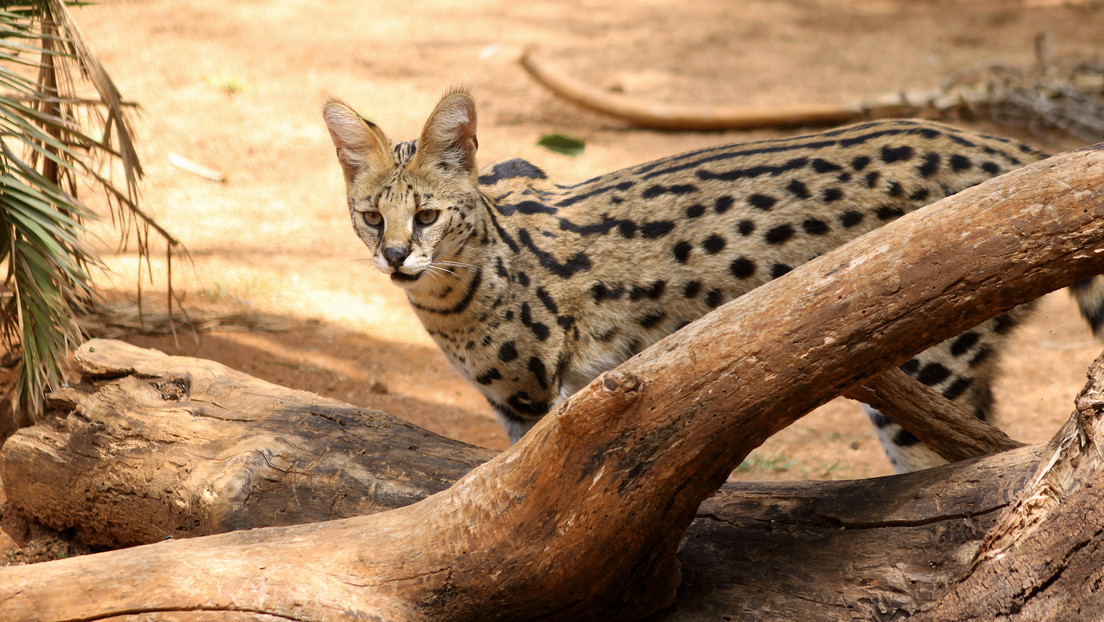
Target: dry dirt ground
pixel 237 87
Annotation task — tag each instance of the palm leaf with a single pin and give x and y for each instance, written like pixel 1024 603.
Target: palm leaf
pixel 61 119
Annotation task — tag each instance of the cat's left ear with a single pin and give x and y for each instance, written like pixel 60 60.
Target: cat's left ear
pixel 448 138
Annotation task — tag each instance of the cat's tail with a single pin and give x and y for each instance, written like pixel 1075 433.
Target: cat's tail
pixel 1090 298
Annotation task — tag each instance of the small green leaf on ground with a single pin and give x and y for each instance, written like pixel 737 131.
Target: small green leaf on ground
pixel 560 143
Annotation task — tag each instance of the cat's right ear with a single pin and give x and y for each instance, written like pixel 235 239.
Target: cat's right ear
pixel 360 144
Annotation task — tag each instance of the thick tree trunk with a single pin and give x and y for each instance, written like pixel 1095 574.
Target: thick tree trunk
pixel 584 516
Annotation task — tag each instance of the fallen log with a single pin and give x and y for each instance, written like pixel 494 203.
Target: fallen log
pixel 582 519
pixel 296 458
pixel 156 446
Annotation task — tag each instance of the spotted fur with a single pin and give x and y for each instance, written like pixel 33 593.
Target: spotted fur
pixel 532 288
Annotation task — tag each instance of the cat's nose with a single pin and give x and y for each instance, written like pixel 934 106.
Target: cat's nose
pixel 395 256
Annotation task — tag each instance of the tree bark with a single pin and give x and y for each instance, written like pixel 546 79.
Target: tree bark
pixel 177 447
pixel 582 519
pixel 1042 561
pixel 147 479
pixel 951 432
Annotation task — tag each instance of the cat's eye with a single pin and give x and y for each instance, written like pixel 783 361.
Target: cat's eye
pixel 372 219
pixel 426 217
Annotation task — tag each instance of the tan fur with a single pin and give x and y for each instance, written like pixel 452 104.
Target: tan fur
pixel 532 288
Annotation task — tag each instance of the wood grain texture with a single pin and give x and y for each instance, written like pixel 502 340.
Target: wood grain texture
pixel 583 518
pixel 177 447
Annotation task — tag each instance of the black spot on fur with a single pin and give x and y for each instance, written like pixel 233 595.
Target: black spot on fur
pixel 851 218
pixel 931 165
pixel 691 289
pixel 957 388
pixel 742 267
pixel 962 344
pixel 779 269
pixel 547 301
pixel 831 195
pixel 750 172
pixel 537 367
pixel 682 251
pixel 904 438
pixel 1003 323
pixel 872 178
pixel 577 263
pixel 723 204
pixel 540 329
pixel 510 169
pixel 601 292
pixel 745 227
pixel 824 166
pixel 507 352
pixel 654 292
pixel 713 244
pixel 888 212
pixel 695 210
pixel 651 319
pixel 798 189
pixel 677 189
pixel 814 226
pixel 979 357
pixel 890 155
pixel 762 201
pixel 779 234
pixel 714 298
pixel 489 377
pixel 895 189
pixel 990 167
pixel 860 162
pixel 933 373
pixel 920 194
pixel 656 229
pixel 960 163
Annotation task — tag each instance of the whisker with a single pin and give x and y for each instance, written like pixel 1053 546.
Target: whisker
pixel 440 266
pixel 455 264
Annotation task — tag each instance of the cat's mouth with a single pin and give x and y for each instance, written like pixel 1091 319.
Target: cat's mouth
pixel 402 277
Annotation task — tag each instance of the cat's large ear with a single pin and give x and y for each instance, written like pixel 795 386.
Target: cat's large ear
pixel 360 143
pixel 448 138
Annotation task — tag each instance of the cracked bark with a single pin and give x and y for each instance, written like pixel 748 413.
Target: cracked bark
pixel 584 517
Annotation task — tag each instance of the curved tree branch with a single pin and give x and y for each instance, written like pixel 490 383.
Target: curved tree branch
pixel 582 518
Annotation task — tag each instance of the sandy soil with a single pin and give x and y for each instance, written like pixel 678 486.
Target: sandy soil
pixel 237 87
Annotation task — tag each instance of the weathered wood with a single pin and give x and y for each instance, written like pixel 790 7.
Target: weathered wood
pixel 737 556
pixel 950 431
pixel 1042 560
pixel 177 446
pixel 583 517
pixel 852 550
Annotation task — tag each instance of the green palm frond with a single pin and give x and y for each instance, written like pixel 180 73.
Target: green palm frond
pixel 61 119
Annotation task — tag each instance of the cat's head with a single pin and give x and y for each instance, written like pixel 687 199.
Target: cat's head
pixel 411 203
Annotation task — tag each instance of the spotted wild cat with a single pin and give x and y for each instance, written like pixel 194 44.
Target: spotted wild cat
pixel 532 288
